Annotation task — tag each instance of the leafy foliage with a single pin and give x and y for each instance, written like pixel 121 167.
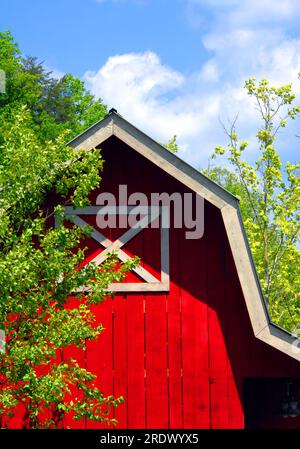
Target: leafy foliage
pixel 172 145
pixel 270 200
pixel 39 264
pixel 56 105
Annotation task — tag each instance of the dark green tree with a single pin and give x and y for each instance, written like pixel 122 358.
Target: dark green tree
pixel 56 105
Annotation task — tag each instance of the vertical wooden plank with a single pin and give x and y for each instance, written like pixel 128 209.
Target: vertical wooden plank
pixel 134 339
pixel 99 359
pixel 136 405
pixel 156 324
pixel 120 357
pixel 196 399
pixel 119 341
pixel 216 319
pixel 156 362
pixel 174 336
pixel 235 401
pixel 101 354
pixel 237 349
pixel 18 421
pixel 136 399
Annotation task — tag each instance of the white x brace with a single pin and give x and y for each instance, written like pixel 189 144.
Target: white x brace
pixel 149 215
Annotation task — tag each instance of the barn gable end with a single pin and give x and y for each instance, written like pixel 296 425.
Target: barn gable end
pixel 113 125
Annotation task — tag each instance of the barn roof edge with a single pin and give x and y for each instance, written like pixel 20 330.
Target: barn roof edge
pixel 114 114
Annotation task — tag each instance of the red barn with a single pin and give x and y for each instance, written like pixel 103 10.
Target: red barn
pixel 188 340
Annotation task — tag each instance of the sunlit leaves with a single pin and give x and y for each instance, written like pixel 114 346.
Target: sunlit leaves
pixel 39 273
pixel 270 200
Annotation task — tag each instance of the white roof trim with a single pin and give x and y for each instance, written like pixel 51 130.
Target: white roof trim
pixel 114 125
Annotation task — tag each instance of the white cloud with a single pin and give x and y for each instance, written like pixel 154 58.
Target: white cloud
pixel 142 75
pixel 245 38
pixel 151 95
pixel 209 72
pixel 246 11
pixel 266 11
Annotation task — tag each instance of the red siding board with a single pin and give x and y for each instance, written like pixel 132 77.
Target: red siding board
pixel 156 362
pixel 120 357
pixel 157 385
pixel 218 356
pixel 136 404
pixel 195 356
pixel 100 354
pixel 238 340
pixel 174 336
pixel 135 328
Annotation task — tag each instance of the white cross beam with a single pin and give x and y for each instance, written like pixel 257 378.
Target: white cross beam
pixel 150 214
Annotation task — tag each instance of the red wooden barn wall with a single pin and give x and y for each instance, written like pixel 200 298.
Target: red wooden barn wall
pixel 179 359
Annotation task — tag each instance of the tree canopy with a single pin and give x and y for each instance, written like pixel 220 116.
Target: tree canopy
pixel 270 200
pixel 56 105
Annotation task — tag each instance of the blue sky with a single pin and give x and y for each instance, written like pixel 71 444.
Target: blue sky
pixel 169 66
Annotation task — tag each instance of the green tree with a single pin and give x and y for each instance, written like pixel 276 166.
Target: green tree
pixel 270 200
pixel 21 87
pixel 39 175
pixel 38 273
pixel 172 145
pixel 65 104
pixel 230 181
pixel 56 105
